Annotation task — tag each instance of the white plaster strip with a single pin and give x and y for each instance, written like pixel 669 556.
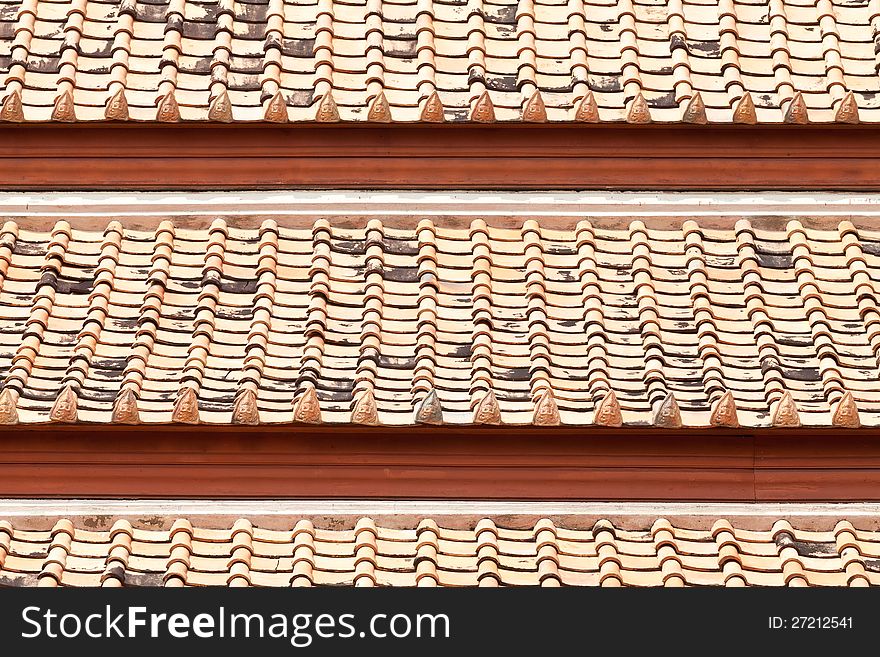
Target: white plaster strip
pixel 579 204
pixel 22 507
pixel 277 513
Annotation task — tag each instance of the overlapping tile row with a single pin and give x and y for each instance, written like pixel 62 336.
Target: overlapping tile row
pixel 424 553
pixel 552 323
pixel 693 61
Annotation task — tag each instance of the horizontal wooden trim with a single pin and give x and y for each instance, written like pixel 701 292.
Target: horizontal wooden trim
pixel 516 156
pixel 439 463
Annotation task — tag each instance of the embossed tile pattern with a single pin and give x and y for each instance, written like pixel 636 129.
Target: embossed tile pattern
pixel 694 61
pixel 310 322
pixel 427 554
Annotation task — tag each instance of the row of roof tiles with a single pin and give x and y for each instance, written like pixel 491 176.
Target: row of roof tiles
pixel 432 325
pixel 696 61
pixel 427 554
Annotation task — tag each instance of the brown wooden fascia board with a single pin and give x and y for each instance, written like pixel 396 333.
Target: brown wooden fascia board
pixel 439 463
pixel 130 156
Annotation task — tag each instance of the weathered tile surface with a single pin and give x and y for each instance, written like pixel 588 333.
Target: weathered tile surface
pixel 425 553
pixel 693 61
pixel 312 323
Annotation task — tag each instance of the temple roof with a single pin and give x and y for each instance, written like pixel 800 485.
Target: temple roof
pixel 587 61
pixel 411 551
pixel 420 320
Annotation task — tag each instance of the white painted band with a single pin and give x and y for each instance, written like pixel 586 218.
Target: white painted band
pixel 404 513
pixel 379 203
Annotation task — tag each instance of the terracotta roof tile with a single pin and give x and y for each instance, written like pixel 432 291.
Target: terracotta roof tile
pixel 638 326
pixel 729 61
pixel 426 553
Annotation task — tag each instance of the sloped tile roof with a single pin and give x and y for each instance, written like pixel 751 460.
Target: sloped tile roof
pixel 716 61
pixel 312 322
pixel 427 554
